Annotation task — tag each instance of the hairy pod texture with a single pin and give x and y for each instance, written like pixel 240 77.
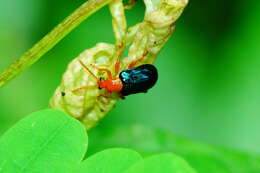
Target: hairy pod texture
pixel 147 37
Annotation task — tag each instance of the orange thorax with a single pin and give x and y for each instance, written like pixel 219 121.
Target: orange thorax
pixel 111 85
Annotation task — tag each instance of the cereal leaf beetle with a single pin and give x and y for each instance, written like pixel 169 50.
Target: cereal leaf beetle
pixel 130 81
pixel 101 91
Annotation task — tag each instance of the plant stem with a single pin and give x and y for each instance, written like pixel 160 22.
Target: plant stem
pixel 51 39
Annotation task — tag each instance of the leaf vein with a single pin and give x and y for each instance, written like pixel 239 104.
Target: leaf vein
pixel 44 144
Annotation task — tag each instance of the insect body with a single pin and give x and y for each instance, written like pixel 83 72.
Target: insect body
pixel 138 79
pixel 144 39
pixel 131 81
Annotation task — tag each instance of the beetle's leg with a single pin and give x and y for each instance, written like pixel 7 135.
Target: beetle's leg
pixel 84 87
pixel 107 95
pixel 86 68
pixel 119 54
pixel 117 67
pixel 131 32
pixel 121 96
pixel 119 27
pixel 164 38
pixel 133 64
pixel 109 73
pixel 130 4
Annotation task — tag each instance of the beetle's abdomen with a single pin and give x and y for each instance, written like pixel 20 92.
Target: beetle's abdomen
pixel 138 79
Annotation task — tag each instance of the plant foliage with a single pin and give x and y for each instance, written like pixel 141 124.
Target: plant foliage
pixel 203 157
pixel 51 141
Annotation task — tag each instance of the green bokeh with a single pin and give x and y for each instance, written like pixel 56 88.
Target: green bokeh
pixel 209 71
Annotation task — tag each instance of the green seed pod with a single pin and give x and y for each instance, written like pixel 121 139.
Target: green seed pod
pixel 86 104
pixel 118 22
pixel 79 94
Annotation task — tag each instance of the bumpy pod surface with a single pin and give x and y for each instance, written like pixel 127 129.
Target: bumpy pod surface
pixel 146 38
pixel 152 34
pixel 85 105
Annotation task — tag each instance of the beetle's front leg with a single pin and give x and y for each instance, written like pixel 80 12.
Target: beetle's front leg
pixel 129 39
pixel 109 73
pixel 131 32
pixel 138 60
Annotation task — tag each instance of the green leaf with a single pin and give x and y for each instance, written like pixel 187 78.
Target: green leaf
pixel 166 163
pixel 114 160
pixel 45 141
pixel 201 157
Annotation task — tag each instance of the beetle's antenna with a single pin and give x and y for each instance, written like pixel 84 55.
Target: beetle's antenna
pixel 86 68
pixel 84 87
pixel 103 69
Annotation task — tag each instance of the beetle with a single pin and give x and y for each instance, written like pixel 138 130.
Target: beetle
pixel 130 81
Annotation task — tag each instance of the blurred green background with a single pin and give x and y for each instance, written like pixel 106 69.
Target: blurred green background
pixel 209 71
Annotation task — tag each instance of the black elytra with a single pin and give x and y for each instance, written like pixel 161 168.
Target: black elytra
pixel 138 79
